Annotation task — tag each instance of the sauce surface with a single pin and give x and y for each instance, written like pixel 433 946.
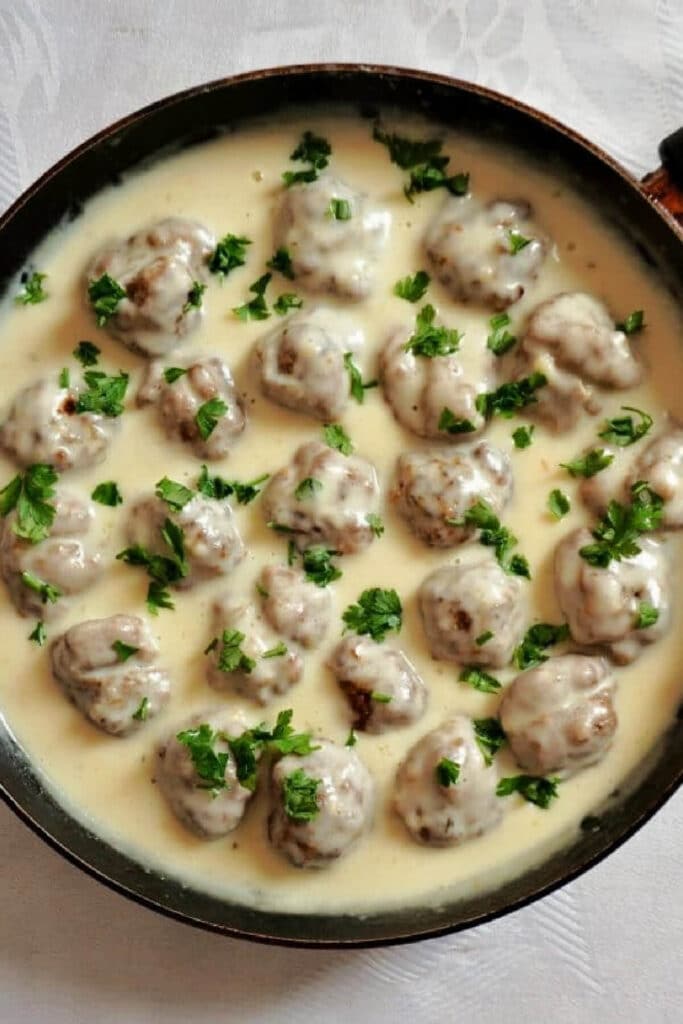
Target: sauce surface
pixel 231 185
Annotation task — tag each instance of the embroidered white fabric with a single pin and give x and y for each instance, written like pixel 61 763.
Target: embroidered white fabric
pixel 605 948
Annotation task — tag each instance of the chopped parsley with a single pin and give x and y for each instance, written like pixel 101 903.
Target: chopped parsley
pixel 488 732
pixel 142 712
pixel 231 657
pixel 256 308
pixel 412 288
pixel 517 241
pixel 123 651
pixel 522 437
pixel 623 431
pixel 162 569
pixel 357 387
pixel 105 294
pixel 313 150
pixel 278 651
pixel 351 739
pixel 536 639
pixel 174 494
pixel 231 252
pixel 509 398
pixel 39 634
pixel 451 424
pixel 218 488
pixel 500 340
pixel 86 353
pixel 64 378
pixel 424 160
pixel 307 488
pixel 447 772
pixel 381 698
pixel 407 153
pixel 339 209
pixel 208 415
pixel 492 534
pixel 299 793
pixel 287 301
pixel 48 593
pixel 534 788
pixel 377 613
pixel 318 567
pixel 647 615
pixel 429 340
pixel 484 638
pixel 208 763
pixel 30 495
pixel 282 739
pixel 558 504
pixel 173 373
pixel 590 464
pixel 479 680
pixel 194 296
pixel 107 493
pixel 618 530
pixel 158 597
pixel 282 263
pixel 337 438
pixel 633 323
pixel 375 523
pixel 105 394
pixel 32 291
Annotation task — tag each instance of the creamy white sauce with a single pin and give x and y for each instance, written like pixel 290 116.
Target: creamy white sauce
pixel 231 185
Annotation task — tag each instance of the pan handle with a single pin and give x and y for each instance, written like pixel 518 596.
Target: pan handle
pixel 665 185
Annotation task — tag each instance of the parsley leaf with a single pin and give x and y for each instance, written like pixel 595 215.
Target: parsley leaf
pixel 647 615
pixel 64 378
pixel 48 593
pixel 351 739
pixel 39 634
pixel 107 493
pixel 105 394
pixel 381 698
pixel 287 301
pixel 375 523
pixel 407 153
pixel 142 712
pixel 484 638
pixel 173 373
pixel 488 732
pixel 307 488
pixel 30 494
pixel 450 424
pixel 282 263
pixel 500 340
pixel 278 651
pixel 231 657
pixel 633 323
pixel 493 535
pixel 231 252
pixel 433 175
pixel 558 504
pixel 377 613
pixel 218 488
pixel 158 596
pixel 589 464
pixel 32 289
pixel 424 160
pixel 479 680
pixel 123 651
pixel 413 288
pixel 256 308
pixel 209 764
pixel 522 437
pixel 86 353
pixel 337 438
pixel 105 294
pixel 536 639
pixel 162 569
pixel 285 740
pixel 174 494
pixel 313 150
pixel 318 567
pixel 517 241
pixel 535 789
pixel 447 772
pixel 510 397
pixel 617 532
pixel 339 209
pixel 622 431
pixel 208 415
pixel 299 796
pixel 194 296
pixel 357 387
pixel 431 341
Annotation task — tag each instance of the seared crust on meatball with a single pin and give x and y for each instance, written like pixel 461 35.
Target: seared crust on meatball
pixel 382 687
pixel 206 811
pixel 68 559
pixel 334 511
pixel 461 602
pixel 157 268
pixel 179 402
pixel 560 716
pixel 435 486
pixel 295 607
pixel 213 546
pixel 261 675
pixel 419 389
pixel 442 815
pixel 602 606
pixel 43 426
pixel 117 690
pixel 330 254
pixel 344 797
pixel 470 246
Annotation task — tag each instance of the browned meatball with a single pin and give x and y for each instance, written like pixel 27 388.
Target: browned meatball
pixel 560 715
pixel 295 607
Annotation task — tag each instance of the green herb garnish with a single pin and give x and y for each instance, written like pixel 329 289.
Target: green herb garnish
pixel 517 241
pixel 162 569
pixel 313 150
pixel 105 394
pixel 447 772
pixel 208 415
pixel 339 209
pixel 589 464
pixel 318 567
pixel 174 494
pixel 522 437
pixel 231 252
pixel 337 438
pixel 451 424
pixel 377 613
pixel 209 764
pixel 173 373
pixel 500 340
pixel 299 796
pixel 618 530
pixel 49 594
pixel 493 534
pixel 218 488
pixel 30 495
pixel 412 288
pixel 647 615
pixel 32 291
pixel 622 431
pixel 357 387
pixel 231 657
pixel 484 638
pixel 535 789
pixel 287 301
pixel 479 680
pixel 194 296
pixel 278 651
pixel 509 398
pixel 142 712
pixel 431 341
pixel 558 504
pixel 282 263
pixel 633 323
pixel 123 651
pixel 308 487
pixel 64 378
pixel 256 308
pixel 39 634
pixel 86 353
pixel 375 523
pixel 105 294
pixel 536 639
pixel 488 732
pixel 107 493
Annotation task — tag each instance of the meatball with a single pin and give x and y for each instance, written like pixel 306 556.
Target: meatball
pixel 381 685
pixel 213 546
pixel 179 402
pixel 420 390
pixel 442 484
pixel 68 560
pixel 461 602
pixel 471 246
pixel 447 815
pixel 344 796
pixel 295 607
pixel 602 606
pixel 157 268
pixel 331 254
pixel 249 657
pixel 208 809
pixel 301 363
pixel 661 464
pixel 107 668
pixel 334 509
pixel 563 399
pixel 560 716
pixel 43 426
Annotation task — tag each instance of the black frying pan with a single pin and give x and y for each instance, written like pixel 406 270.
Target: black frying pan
pixel 638 210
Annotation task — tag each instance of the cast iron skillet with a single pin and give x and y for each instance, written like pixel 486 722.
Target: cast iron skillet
pixel 201 113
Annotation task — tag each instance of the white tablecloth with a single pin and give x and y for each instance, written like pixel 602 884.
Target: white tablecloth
pixel 607 947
